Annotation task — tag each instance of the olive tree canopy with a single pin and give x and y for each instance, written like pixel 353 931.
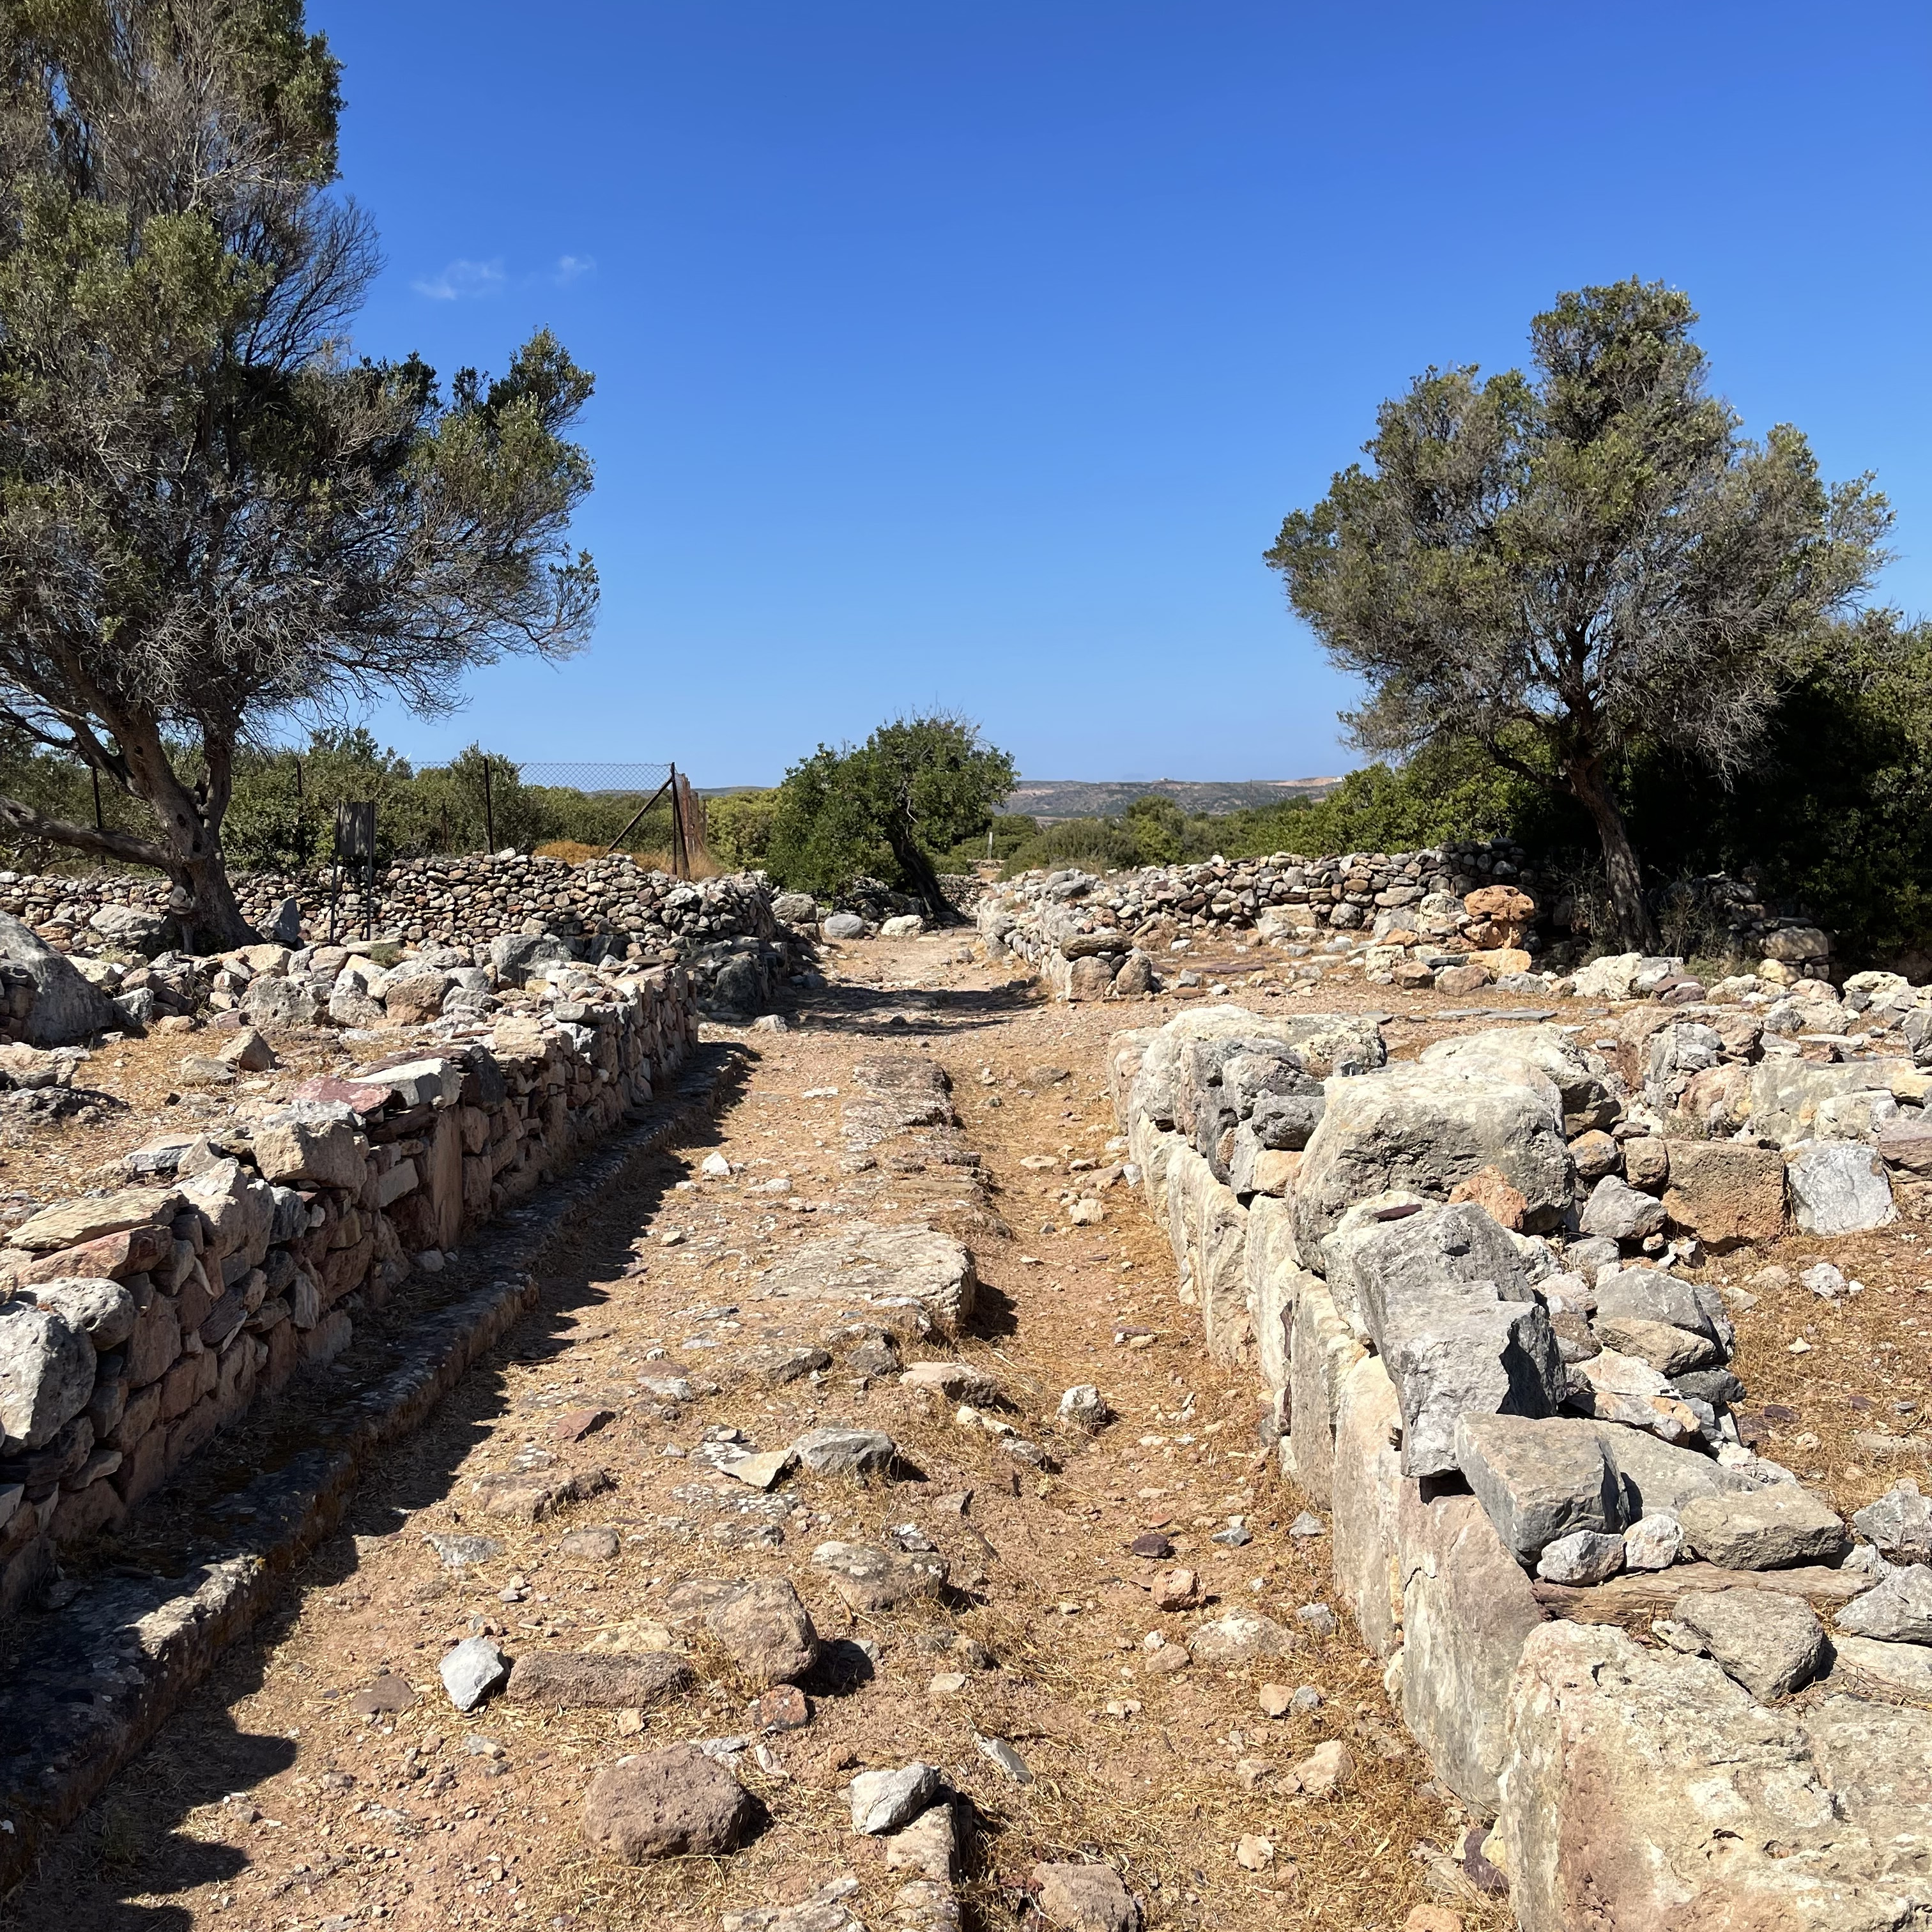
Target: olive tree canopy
pixel 1578 560
pixel 211 516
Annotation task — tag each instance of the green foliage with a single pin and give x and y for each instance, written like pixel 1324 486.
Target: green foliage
pixel 916 788
pixel 738 828
pixel 1590 560
pixel 1836 816
pixel 210 515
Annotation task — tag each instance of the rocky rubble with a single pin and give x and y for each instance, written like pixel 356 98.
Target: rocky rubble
pixel 1458 1288
pixel 461 912
pixel 1455 919
pixel 137 1323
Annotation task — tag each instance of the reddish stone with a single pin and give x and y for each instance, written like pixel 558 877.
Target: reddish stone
pixel 574 1424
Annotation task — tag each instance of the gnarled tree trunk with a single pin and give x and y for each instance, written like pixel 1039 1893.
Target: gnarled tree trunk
pixel 1636 930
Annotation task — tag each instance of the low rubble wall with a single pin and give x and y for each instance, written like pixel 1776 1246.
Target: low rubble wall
pixel 136 1324
pixel 1456 917
pixel 1517 1407
pixel 722 931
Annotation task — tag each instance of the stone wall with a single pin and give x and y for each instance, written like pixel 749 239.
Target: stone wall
pixel 136 1325
pixel 608 908
pixel 1463 1285
pixel 1479 912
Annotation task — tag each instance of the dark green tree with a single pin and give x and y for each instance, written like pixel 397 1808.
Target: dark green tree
pixel 211 516
pixel 917 787
pixel 1593 556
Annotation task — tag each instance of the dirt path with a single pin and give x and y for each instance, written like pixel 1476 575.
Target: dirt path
pixel 322 1779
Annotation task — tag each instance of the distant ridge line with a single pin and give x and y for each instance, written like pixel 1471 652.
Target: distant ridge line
pixel 1053 800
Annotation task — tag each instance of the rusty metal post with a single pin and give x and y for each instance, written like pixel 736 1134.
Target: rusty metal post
pixel 680 859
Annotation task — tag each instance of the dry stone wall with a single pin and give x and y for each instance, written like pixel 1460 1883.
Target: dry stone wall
pixel 723 931
pixel 1456 918
pixel 1460 1282
pixel 137 1323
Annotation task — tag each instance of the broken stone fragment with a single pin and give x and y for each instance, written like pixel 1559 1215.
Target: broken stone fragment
pixel 884 1801
pixel 1898 1610
pixel 1771 1642
pixel 1538 1479
pixel 470 1671
pixel 666 1803
pixel 1763 1529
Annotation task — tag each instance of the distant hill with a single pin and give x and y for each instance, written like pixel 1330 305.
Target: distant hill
pixel 1050 800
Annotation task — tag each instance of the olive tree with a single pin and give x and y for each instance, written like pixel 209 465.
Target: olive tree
pixel 212 516
pixel 915 787
pixel 1578 560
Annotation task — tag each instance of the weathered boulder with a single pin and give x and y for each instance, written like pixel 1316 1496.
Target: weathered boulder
pixel 598 1680
pixel 885 1801
pixel 767 1630
pixel 69 1224
pixel 1367 1483
pixel 1897 1610
pixel 1084 1898
pixel 1382 1253
pixel 1838 1187
pixel 926 1276
pixel 1786 1093
pixel 312 1142
pixel 1763 1529
pixel 278 1002
pixel 1900 1523
pixel 1658 1478
pixel 845 1452
pixel 102 1310
pixel 1616 1211
pixel 666 1803
pixel 65 1010
pixel 1646 1789
pixel 46 1374
pixel 1771 1643
pixel 1425 1129
pixel 1510 1052
pixel 869 1578
pixel 1473 1357
pixel 1538 1480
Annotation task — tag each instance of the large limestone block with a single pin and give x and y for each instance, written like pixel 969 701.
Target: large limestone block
pixel 1322 1349
pixel 1538 1480
pixel 1152 1147
pixel 1644 1789
pixel 926 1277
pixel 1367 1483
pixel 1769 1528
pixel 1402 1264
pixel 1467 1608
pixel 66 1011
pixel 1725 1193
pixel 1326 1043
pixel 1427 1128
pixel 1217 1255
pixel 314 1142
pixel 1273 1275
pixel 46 1374
pixel 1785 1094
pixel 1515 1053
pixel 1500 1358
pixel 1838 1187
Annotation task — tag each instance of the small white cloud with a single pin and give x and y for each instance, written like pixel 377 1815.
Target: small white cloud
pixel 462 280
pixel 573 267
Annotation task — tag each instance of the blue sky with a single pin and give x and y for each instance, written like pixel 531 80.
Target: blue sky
pixel 971 352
